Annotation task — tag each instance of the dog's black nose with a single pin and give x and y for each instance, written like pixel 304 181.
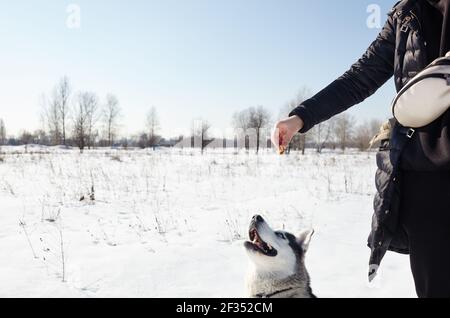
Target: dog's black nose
pixel 258 219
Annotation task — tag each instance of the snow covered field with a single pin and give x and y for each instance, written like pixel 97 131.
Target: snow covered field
pixel 171 223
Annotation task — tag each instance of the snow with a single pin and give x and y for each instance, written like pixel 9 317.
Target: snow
pixel 172 222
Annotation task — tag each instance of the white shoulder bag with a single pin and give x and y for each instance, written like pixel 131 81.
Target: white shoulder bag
pixel 426 97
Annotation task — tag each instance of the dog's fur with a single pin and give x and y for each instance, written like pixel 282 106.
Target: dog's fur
pixel 277 262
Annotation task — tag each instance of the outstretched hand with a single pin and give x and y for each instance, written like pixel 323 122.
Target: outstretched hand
pixel 284 131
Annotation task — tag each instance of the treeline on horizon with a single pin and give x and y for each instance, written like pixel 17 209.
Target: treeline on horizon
pixel 82 120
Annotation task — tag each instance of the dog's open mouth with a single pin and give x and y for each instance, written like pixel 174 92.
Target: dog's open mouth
pixel 257 244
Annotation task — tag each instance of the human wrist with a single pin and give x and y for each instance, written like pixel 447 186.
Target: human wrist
pixel 297 121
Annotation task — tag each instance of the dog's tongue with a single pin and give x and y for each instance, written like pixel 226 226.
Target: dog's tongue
pixel 260 243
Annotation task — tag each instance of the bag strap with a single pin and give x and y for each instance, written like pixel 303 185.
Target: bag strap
pixel 407 132
pixel 403 136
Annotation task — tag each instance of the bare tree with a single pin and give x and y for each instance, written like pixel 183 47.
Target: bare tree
pixel 2 132
pixel 254 118
pixel 79 123
pixel 241 125
pixel 344 129
pixel 26 138
pixel 241 120
pixel 55 111
pixel 143 141
pixel 51 118
pixel 322 134
pixel 91 109
pixel 259 118
pixel 111 115
pixel 203 134
pixel 62 97
pixel 83 119
pixel 153 127
pixel 40 137
pixel 200 134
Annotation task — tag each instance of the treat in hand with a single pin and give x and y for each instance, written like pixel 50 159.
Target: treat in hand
pixel 284 131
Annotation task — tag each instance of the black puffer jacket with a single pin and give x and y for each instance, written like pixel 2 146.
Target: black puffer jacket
pixel 399 50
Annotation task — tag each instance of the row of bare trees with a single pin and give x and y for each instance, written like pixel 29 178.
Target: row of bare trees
pixel 342 132
pixel 78 114
pixel 75 119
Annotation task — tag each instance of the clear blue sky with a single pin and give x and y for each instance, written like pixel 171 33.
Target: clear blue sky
pixel 189 58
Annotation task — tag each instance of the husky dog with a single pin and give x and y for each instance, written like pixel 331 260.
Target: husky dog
pixel 277 262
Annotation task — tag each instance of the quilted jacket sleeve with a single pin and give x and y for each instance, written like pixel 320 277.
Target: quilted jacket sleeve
pixel 363 79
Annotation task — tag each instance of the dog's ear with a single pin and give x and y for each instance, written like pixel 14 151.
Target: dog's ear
pixel 305 238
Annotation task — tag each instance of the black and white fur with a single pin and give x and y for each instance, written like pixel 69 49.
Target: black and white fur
pixel 277 262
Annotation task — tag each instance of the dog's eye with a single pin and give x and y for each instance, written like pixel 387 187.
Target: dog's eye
pixel 281 235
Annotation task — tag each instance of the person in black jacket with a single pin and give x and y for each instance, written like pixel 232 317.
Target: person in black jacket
pixel 412 206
